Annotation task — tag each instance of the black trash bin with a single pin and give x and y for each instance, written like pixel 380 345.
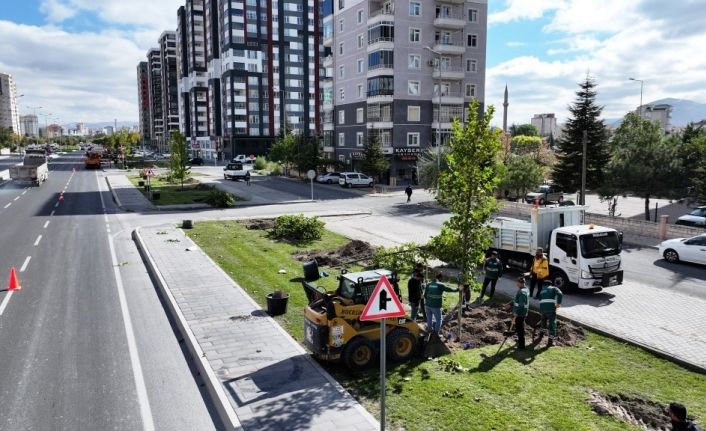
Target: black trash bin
pixel 156 194
pixel 277 303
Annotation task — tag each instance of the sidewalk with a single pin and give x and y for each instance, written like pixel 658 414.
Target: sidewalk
pixel 126 195
pixel 258 376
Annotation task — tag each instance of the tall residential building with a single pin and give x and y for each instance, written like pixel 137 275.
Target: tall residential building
pixel 9 118
pixel 402 71
pixel 545 124
pixel 170 90
pixel 247 68
pixel 143 101
pixel 29 125
pixel 154 82
pixel 659 112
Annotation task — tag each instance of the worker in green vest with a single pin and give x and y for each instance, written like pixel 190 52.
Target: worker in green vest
pixel 493 269
pixel 549 300
pixel 433 298
pixel 520 308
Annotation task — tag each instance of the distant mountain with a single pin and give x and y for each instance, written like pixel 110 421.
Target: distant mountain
pixel 684 112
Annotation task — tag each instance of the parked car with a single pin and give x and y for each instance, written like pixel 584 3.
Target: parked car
pixel 197 161
pixel 544 194
pixel 686 249
pixel 354 179
pixel 242 158
pixel 236 171
pixel 695 218
pixel 328 177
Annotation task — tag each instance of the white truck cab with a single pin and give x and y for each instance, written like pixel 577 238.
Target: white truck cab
pixel 580 255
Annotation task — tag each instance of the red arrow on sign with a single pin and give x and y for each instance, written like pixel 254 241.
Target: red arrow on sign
pixel 383 302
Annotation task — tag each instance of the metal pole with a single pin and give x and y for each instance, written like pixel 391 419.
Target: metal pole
pixel 311 180
pixel 583 168
pixel 641 82
pixel 383 353
pixel 438 126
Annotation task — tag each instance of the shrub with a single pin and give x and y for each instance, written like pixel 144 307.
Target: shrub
pixel 220 199
pixel 297 228
pixel 276 171
pixel 260 163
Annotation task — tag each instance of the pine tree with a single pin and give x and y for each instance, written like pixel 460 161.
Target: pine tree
pixel 585 115
pixel 374 162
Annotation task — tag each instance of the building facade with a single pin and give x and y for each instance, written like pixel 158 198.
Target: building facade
pixel 400 71
pixel 659 112
pixel 143 101
pixel 545 124
pixel 154 82
pixel 9 117
pixel 170 90
pixel 29 125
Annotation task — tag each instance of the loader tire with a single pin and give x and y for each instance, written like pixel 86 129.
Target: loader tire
pixel 401 345
pixel 359 354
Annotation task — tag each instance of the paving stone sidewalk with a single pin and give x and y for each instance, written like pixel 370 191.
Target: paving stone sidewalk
pixel 269 381
pixel 126 195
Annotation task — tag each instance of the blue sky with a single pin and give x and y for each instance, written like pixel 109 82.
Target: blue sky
pixel 77 58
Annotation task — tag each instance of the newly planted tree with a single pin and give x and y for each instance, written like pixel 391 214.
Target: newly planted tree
pixel 179 159
pixel 374 162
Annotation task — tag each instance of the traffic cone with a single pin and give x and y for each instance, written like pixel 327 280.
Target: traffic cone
pixel 14 282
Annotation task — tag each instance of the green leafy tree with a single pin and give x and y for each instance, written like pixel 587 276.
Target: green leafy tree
pixel 523 130
pixel 308 155
pixel 526 146
pixel 467 191
pixel 430 163
pixel 522 173
pixel 642 163
pixel 585 115
pixel 179 160
pixel 374 162
pixel 693 157
pixel 284 151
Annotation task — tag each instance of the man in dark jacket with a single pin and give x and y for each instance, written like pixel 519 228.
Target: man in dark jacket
pixel 414 293
pixel 408 192
pixel 677 414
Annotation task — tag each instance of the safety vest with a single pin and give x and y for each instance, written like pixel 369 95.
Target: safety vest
pixel 549 297
pixel 540 267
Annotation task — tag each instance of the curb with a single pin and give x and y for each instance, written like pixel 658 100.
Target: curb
pixel 113 194
pixel 213 385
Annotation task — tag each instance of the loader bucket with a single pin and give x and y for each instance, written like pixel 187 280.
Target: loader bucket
pixel 434 347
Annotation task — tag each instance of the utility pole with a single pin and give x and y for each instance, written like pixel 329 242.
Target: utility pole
pixel 438 117
pixel 583 169
pixel 641 85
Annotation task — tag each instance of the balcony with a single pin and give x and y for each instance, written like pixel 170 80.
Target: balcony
pixel 380 69
pixel 449 21
pixel 449 73
pixel 380 96
pixel 328 40
pixel 385 13
pixel 381 43
pixel 448 98
pixel 452 1
pixel 328 61
pixel 449 47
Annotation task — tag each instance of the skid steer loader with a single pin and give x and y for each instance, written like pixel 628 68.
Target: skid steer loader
pixel 333 330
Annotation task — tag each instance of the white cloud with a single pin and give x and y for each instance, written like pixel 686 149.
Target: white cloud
pixel 516 10
pixel 56 11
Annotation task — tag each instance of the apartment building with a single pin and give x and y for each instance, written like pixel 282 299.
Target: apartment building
pixel 154 83
pixel 29 125
pixel 9 118
pixel 402 71
pixel 545 124
pixel 143 101
pixel 169 78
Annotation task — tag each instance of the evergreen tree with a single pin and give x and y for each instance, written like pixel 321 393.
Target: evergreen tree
pixel 584 116
pixel 374 162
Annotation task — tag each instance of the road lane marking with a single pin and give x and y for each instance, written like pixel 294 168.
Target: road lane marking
pixel 8 205
pixel 24 192
pixel 52 213
pixel 39 238
pixel 140 388
pixel 46 223
pixel 56 205
pixel 16 198
pixel 5 301
pixel 24 265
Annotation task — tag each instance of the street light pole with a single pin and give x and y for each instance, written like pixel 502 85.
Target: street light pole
pixel 438 117
pixel 641 84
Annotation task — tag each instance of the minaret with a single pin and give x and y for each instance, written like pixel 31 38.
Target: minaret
pixel 505 111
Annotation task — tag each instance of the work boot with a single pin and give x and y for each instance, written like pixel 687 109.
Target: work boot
pixel 551 341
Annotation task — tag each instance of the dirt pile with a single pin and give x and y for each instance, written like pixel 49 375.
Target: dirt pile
pixel 354 250
pixel 484 325
pixel 644 414
pixel 260 224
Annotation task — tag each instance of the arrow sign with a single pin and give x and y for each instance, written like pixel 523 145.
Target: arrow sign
pixel 383 302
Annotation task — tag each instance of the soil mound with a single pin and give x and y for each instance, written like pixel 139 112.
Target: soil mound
pixel 485 324
pixel 354 250
pixel 260 224
pixel 644 414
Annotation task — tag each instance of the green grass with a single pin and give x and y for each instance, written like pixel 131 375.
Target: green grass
pixel 536 390
pixel 171 194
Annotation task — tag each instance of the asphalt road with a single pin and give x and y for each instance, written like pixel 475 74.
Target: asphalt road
pixel 86 344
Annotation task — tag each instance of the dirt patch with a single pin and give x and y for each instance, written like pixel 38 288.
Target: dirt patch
pixel 644 414
pixel 259 224
pixel 354 250
pixel 485 324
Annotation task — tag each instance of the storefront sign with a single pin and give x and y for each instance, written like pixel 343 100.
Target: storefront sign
pixel 357 155
pixel 408 153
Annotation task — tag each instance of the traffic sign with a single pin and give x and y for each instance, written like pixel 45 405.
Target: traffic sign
pixel 383 302
pixel 149 173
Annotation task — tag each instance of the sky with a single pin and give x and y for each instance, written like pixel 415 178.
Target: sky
pixel 77 59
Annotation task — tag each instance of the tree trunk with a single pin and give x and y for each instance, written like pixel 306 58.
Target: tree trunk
pixel 647 207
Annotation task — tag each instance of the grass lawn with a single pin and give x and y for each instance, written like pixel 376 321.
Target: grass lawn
pixel 535 390
pixel 171 194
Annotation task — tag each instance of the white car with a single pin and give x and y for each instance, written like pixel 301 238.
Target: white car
pixel 354 179
pixel 328 178
pixel 695 218
pixel 685 249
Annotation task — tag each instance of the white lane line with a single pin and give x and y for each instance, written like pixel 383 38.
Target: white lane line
pixel 5 301
pixel 56 205
pixel 24 192
pixel 46 223
pixel 52 213
pixel 16 198
pixel 8 205
pixel 140 388
pixel 24 265
pixel 39 238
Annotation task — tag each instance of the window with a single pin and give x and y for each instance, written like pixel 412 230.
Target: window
pixel 360 16
pixel 470 90
pixel 471 65
pixel 414 113
pixel 473 40
pixel 413 139
pixel 567 242
pixel 415 35
pixel 361 40
pixel 341 94
pixel 413 88
pixel 341 139
pixel 415 61
pixel 340 48
pixel 340 25
pixel 360 65
pixel 340 71
pixel 360 91
pixel 359 139
pixel 415 9
pixel 359 115
pixel 472 15
pixel 341 117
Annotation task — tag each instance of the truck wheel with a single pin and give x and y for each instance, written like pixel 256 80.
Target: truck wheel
pixel 401 345
pixel 225 177
pixel 359 354
pixel 349 185
pixel 560 280
pixel 542 202
pixel 671 256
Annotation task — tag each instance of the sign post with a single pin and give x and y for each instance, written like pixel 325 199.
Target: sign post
pixel 383 303
pixel 311 174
